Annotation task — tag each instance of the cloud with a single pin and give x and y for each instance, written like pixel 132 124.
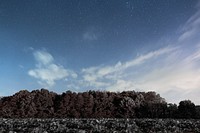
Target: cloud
pixel 193 57
pixel 43 57
pixel 141 59
pixel 46 71
pixel 92 73
pixel 21 66
pixel 121 85
pixel 183 78
pixel 113 77
pixel 191 27
pixel 187 34
pixel 91 34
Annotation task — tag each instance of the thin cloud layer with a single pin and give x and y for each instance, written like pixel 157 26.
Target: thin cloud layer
pixel 91 34
pixel 46 71
pixel 43 57
pixel 106 70
pixel 114 73
pixel 191 28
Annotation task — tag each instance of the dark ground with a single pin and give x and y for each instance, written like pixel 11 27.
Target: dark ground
pixel 99 125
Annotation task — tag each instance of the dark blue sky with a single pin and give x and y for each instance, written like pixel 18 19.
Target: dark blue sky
pixel 97 44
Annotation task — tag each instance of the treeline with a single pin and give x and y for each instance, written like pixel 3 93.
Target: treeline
pixel 93 104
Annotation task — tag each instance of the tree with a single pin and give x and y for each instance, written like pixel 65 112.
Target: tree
pixel 186 109
pixel 197 112
pixel 172 111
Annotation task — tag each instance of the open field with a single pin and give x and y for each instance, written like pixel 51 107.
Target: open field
pixel 99 125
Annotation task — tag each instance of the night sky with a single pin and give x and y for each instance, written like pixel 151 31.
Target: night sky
pixel 114 45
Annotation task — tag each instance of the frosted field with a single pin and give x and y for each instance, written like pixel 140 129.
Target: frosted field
pixel 99 125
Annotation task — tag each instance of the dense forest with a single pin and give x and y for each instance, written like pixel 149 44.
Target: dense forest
pixel 94 104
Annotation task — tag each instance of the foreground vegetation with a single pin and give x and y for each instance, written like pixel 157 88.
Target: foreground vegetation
pixel 99 125
pixel 94 104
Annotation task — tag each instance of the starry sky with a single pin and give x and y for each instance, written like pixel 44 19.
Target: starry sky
pixel 114 45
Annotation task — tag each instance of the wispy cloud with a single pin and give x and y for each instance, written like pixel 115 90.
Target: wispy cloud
pixel 43 57
pixel 114 76
pixel 106 70
pixel 175 77
pixel 191 27
pixel 46 71
pixel 91 34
